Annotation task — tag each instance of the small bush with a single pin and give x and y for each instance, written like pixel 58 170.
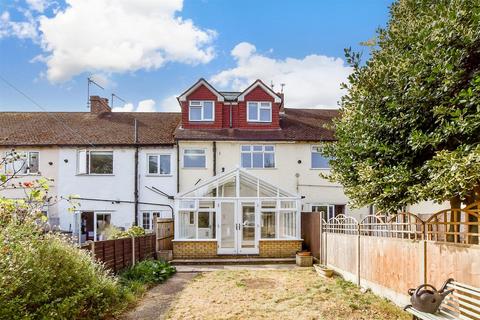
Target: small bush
pixel 148 272
pixel 44 277
pixel 113 232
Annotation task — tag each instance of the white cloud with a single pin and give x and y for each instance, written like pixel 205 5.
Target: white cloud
pixel 310 82
pixel 39 5
pixel 143 106
pixel 170 104
pixel 21 29
pixel 111 36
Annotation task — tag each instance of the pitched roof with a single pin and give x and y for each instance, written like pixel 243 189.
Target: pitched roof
pixel 85 128
pixel 230 95
pixel 295 125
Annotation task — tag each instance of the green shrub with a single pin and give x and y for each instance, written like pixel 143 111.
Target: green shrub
pixel 113 232
pixel 148 272
pixel 44 277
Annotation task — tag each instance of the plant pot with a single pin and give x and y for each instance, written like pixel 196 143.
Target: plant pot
pixel 323 271
pixel 304 260
pixel 304 253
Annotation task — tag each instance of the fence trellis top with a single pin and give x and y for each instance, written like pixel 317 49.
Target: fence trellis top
pixel 450 225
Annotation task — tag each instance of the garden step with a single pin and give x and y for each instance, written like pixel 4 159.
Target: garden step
pixel 233 260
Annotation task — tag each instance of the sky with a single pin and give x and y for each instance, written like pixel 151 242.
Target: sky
pixel 149 51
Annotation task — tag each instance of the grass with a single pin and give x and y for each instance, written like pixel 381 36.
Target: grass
pixel 278 294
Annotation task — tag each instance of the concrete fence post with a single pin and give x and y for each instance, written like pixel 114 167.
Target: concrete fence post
pixel 155 223
pixel 358 255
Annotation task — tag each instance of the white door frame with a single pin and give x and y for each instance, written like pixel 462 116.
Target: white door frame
pixel 238 227
pixel 221 250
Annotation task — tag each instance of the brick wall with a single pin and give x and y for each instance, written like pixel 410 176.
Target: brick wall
pixel 208 249
pixel 279 248
pixel 194 249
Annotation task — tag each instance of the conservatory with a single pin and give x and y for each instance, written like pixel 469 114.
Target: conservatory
pixel 236 213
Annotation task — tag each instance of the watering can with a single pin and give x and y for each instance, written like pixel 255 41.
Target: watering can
pixel 428 299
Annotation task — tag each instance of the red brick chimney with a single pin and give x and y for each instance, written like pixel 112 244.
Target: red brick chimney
pixel 99 105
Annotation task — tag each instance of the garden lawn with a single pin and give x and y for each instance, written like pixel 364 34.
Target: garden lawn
pixel 277 294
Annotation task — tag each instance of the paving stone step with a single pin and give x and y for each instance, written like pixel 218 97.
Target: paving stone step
pixel 233 260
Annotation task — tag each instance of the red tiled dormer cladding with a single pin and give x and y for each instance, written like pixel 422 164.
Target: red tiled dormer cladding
pixel 237 117
pixel 202 93
pixel 257 94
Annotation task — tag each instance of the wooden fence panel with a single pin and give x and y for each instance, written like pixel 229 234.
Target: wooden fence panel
pixel 118 254
pixel 164 233
pixel 342 251
pixel 450 260
pixel 391 263
pixel 310 230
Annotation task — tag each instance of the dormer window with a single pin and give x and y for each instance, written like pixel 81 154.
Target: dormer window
pixel 201 111
pixel 259 111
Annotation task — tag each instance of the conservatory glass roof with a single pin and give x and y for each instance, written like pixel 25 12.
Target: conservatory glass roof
pixel 237 183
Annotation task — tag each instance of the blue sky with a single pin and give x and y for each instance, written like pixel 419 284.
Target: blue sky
pixel 148 53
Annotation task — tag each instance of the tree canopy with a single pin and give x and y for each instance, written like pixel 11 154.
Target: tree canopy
pixel 410 121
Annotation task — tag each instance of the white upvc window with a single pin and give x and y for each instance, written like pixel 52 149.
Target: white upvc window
pixel 95 162
pixel 147 219
pixel 278 219
pixel 327 210
pixel 158 164
pixel 259 111
pixel 201 110
pixel 25 163
pixel 194 158
pixel 197 222
pixel 258 156
pixel 318 160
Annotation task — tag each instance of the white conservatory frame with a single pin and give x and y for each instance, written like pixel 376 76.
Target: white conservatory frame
pixel 243 194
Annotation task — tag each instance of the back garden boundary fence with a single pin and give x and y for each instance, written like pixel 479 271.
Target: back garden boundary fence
pixel 390 254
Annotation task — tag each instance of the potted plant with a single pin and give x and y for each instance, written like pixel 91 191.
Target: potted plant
pixel 304 259
pixel 323 271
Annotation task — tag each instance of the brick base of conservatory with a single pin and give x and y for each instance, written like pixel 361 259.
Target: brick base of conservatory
pixel 208 249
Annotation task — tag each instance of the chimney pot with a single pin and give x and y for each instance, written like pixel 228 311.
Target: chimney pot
pixel 99 105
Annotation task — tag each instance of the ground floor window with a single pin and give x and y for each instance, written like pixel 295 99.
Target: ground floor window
pixel 328 211
pixel 147 219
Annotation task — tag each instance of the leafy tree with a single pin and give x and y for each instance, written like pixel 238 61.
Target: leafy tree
pixel 410 122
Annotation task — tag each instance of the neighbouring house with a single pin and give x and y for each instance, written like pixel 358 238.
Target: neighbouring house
pixel 99 156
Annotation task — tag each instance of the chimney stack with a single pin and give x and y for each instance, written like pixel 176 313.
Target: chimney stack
pixel 282 104
pixel 99 105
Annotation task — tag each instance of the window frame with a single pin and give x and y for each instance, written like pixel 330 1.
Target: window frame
pixel 199 155
pixel 151 216
pixel 201 105
pixel 24 170
pixel 311 158
pixel 259 107
pixel 88 162
pixel 262 152
pixel 158 156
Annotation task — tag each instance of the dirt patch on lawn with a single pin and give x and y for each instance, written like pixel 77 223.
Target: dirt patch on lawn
pixel 277 294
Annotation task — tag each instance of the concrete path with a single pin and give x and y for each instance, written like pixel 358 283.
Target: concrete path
pixel 156 302
pixel 207 268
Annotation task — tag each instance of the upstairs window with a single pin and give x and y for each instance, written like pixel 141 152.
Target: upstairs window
pixel 26 163
pixel 201 111
pixel 259 111
pixel 318 160
pixel 158 164
pixel 95 162
pixel 194 158
pixel 258 156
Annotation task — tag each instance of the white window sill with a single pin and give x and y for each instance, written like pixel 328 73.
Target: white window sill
pixel 259 168
pixel 95 175
pixel 282 239
pixel 320 169
pixel 194 168
pixel 158 175
pixel 193 240
pixel 259 122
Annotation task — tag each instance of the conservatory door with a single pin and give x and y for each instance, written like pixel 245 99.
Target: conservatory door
pixel 237 228
pixel 247 230
pixel 227 227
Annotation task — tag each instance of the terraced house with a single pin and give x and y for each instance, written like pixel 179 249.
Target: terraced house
pixel 235 169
